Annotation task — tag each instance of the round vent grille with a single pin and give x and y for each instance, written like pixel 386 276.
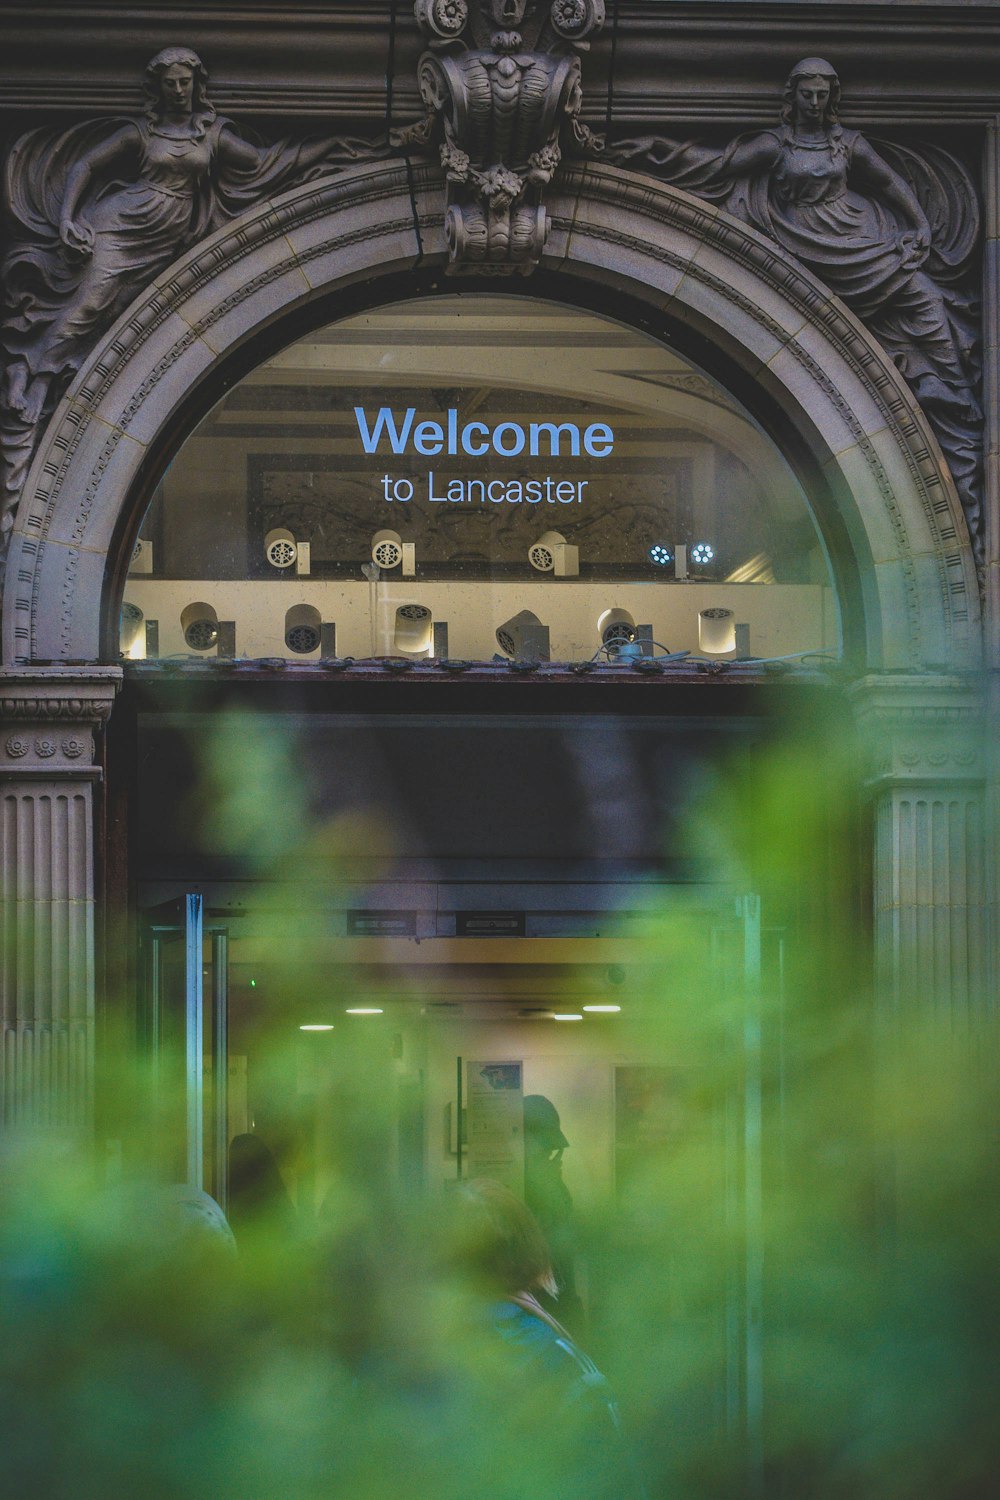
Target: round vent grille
pixel 542 554
pixel 387 549
pixel 618 633
pixel 279 548
pixel 413 612
pixel 717 614
pixel 506 641
pixel 202 635
pixel 302 639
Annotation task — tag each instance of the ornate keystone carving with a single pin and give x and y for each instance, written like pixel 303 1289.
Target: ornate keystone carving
pixel 98 211
pixel 501 109
pixel 890 230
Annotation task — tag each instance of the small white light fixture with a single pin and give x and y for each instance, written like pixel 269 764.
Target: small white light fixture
pixel 364 1010
pixel 200 625
pixel 566 1015
pixel 553 554
pixel 303 629
pixel 524 636
pixel 142 557
pixel 717 631
pixel 280 548
pixel 130 631
pixel 602 1010
pixel 414 629
pixel 616 628
pixel 387 549
pixel 702 553
pixel 317 1026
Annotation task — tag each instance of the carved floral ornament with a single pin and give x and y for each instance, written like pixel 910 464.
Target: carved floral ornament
pixel 18 746
pixel 501 86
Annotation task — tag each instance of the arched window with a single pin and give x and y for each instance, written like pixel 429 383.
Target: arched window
pixel 479 475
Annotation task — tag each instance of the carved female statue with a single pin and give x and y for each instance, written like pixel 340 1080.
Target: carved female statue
pixel 101 209
pixel 829 198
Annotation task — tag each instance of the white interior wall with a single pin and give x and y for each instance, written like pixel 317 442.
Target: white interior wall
pixel 783 618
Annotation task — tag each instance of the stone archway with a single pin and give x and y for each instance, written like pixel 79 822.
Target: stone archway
pixel 880 464
pixel 877 461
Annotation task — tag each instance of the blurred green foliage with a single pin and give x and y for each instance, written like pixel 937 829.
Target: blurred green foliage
pixel 141 1357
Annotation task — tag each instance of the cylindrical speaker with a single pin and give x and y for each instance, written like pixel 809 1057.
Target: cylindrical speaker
pixel 519 632
pixel 387 549
pixel 616 627
pixel 717 631
pixel 200 625
pixel 302 629
pixel 414 628
pixel 131 624
pixel 279 548
pixel 542 554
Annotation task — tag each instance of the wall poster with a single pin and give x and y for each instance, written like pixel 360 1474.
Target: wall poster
pixel 496 1122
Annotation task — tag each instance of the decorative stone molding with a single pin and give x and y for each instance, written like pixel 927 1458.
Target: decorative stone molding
pixel 925 744
pixel 51 736
pixel 877 467
pixel 891 230
pixel 918 729
pixel 500 111
pixel 48 721
pixel 99 210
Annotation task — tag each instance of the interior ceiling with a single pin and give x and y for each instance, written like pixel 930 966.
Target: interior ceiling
pixel 505 352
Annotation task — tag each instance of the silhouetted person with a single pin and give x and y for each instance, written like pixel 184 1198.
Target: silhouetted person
pixel 258 1198
pixel 549 1200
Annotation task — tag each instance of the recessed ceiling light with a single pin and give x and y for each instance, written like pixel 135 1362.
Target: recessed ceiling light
pixel 317 1026
pixel 364 1010
pixel 603 1010
pixel 566 1015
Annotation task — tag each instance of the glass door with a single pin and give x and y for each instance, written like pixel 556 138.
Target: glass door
pixel 184 1021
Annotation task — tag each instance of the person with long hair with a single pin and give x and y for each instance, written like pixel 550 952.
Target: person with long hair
pixel 98 211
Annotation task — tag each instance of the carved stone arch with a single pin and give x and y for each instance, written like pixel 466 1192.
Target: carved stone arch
pixel 871 449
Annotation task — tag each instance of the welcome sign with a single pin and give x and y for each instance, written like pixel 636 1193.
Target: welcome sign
pixel 387 432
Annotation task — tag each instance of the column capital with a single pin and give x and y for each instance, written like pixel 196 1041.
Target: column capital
pixel 49 717
pixel 921 727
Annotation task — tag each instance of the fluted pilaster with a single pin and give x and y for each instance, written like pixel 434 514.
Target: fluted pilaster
pixel 925 742
pixel 48 769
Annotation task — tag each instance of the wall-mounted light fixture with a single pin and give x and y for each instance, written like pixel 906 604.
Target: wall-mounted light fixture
pixel 701 554
pixel 716 631
pixel 142 557
pixel 553 554
pixel 660 555
pixel 200 625
pixel 524 637
pixel 131 632
pixel 281 548
pixel 414 629
pixel 390 551
pixel 616 628
pixel 303 629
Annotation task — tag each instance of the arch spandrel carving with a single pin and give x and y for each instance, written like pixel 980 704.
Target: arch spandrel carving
pixel 882 468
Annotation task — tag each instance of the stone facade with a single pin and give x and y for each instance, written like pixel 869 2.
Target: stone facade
pixel 922 596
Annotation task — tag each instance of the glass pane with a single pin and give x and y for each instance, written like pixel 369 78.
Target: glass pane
pixel 475 476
